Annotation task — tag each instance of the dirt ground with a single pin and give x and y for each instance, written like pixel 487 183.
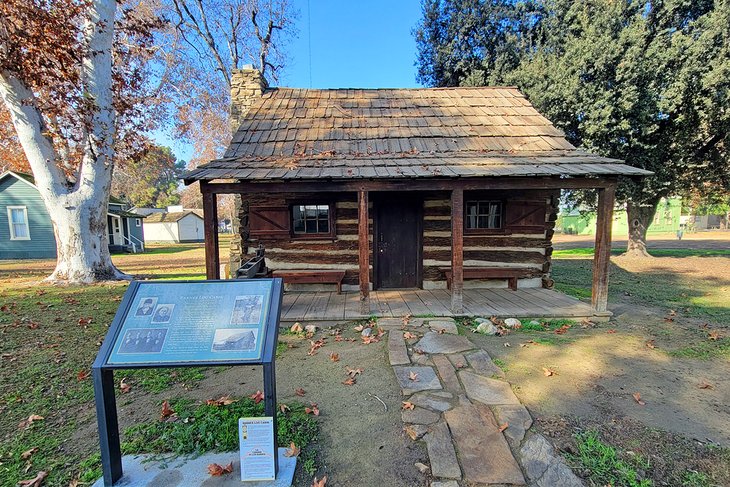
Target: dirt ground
pixel 709 240
pixel 359 443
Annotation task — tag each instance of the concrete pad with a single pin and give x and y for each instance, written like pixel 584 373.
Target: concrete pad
pixel 484 454
pixel 433 342
pixel 487 391
pixel 145 471
pixel 427 379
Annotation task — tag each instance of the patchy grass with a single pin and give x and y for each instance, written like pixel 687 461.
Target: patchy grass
pixel 545 325
pixel 588 251
pixel 704 350
pixel 501 364
pixel 601 464
pixel 158 380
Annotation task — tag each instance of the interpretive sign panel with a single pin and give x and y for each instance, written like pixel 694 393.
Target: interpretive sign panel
pixel 258 451
pixel 182 324
pixel 208 321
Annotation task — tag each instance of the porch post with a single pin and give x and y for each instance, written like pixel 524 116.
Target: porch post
pixel 364 251
pixel 210 229
pixel 602 252
pixel 457 251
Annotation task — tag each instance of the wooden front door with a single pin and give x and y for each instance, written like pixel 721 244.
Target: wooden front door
pixel 398 229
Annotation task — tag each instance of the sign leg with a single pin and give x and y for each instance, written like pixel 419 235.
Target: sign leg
pixel 270 405
pixel 106 416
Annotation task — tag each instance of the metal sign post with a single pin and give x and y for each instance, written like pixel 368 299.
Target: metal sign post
pixel 186 324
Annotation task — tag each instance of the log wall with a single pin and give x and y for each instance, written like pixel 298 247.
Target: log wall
pixel 529 219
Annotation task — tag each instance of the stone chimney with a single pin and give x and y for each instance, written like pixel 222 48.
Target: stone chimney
pixel 247 85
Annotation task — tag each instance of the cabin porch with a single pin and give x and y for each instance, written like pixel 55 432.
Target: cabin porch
pixel 504 303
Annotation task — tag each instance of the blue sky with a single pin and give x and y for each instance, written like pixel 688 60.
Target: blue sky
pixel 354 44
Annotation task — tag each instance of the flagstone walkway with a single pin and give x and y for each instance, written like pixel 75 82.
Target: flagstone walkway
pixel 460 407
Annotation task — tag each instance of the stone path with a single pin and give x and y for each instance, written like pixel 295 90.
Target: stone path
pixel 460 403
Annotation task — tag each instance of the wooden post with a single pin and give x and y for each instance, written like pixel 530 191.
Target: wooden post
pixel 602 252
pixel 210 228
pixel 457 251
pixel 364 249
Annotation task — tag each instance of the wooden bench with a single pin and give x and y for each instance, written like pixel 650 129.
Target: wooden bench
pixel 312 277
pixel 509 273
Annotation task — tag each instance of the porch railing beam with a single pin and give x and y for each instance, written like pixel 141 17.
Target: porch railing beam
pixel 602 251
pixel 457 251
pixel 364 251
pixel 210 230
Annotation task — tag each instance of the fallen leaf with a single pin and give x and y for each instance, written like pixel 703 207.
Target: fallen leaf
pixel 83 374
pixel 221 401
pixel 637 398
pixel 319 483
pixel 300 392
pixel 167 411
pixel 34 482
pixel 33 325
pixel 548 372
pixel 408 335
pixel 312 410
pixel 27 454
pixel 506 344
pixel 349 381
pixel 714 335
pixel 31 419
pixel 650 344
pixel 354 372
pixel 611 331
pixel 284 408
pixel 359 328
pixel 335 357
pixel 216 470
pixel 370 339
pixel 296 328
pixel 407 405
pixel 460 365
pixel 442 331
pixel 85 321
pixel 503 427
pixel 413 376
pixel 257 397
pixel 292 451
pixel 124 387
pixel 315 345
pixel 562 330
pixel 706 385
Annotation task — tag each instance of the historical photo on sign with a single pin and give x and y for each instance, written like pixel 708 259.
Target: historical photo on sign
pixel 143 340
pixel 247 310
pixel 163 313
pixel 237 339
pixel 146 307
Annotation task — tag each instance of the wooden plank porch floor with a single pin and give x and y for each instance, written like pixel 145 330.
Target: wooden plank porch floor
pixel 523 303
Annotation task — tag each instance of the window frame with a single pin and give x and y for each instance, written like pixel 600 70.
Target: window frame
pixel 330 235
pixel 137 222
pixel 486 231
pixel 10 222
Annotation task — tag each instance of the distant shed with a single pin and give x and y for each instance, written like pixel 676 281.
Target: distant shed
pixel 174 227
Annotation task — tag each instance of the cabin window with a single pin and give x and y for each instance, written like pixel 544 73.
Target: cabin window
pixel 312 220
pixel 483 215
pixel 137 222
pixel 18 221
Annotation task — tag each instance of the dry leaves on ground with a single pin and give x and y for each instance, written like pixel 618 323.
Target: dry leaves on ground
pixel 637 398
pixel 27 453
pixel 370 339
pixel 315 345
pixel 547 372
pixel 35 481
pixel 296 328
pixel 221 401
pixel 83 374
pixel 31 419
pixel 503 427
pixel 354 372
pixel 359 327
pixel 84 322
pixel 650 344
pixel 292 451
pixel 300 392
pixel 612 331
pixel 705 385
pixel 413 376
pixel 123 386
pixel 408 335
pixel 407 405
pixel 284 408
pixel 313 409
pixel 167 411
pixel 257 397
pixel 319 483
pixel 335 357
pixel 349 381
pixel 562 330
pixel 714 335
pixel 216 470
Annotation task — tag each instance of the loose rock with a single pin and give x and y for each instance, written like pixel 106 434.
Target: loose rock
pixel 513 322
pixel 487 328
pixel 367 332
pixel 421 467
pixel 310 328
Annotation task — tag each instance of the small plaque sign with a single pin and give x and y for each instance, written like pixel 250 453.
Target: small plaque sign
pixel 194 322
pixel 258 451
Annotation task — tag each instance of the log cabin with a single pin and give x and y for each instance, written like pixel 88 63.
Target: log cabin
pixel 433 188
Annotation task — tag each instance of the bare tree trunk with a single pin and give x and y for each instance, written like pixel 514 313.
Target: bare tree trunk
pixel 640 217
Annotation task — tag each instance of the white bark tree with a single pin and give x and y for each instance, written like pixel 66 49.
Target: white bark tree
pixel 76 196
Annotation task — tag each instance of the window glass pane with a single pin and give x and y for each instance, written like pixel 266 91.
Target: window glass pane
pixel 324 226
pixel 483 215
pixel 310 226
pixel 323 212
pixel 299 225
pixel 18 215
pixel 482 222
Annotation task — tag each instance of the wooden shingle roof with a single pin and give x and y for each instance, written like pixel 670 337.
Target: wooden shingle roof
pixel 399 133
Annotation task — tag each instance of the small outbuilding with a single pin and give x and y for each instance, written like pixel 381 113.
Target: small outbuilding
pixel 401 189
pixel 181 226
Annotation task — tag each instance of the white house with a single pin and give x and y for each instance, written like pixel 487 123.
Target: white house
pixel 174 225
